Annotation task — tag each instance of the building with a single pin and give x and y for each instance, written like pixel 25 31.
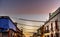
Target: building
pixel 34 35
pixel 8 28
pixel 51 28
pixel 18 33
pixel 40 31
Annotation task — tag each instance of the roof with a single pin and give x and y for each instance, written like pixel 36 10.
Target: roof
pixel 7 23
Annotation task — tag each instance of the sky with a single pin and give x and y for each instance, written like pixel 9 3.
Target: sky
pixel 28 9
pixel 17 7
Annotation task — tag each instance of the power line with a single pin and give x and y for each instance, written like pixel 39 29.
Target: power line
pixel 28 20
pixel 29 29
pixel 28 25
pixel 29 32
pixel 31 20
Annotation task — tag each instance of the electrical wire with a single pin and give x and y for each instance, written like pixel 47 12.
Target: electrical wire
pixel 28 20
pixel 30 29
pixel 27 25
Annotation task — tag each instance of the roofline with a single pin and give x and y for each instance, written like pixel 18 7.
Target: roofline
pixel 50 18
pixel 53 16
pixel 8 18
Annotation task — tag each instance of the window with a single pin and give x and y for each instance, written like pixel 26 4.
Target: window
pixel 57 34
pixel 56 25
pixel 5 34
pixel 51 35
pixel 51 26
pixel 47 35
pixel 47 27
